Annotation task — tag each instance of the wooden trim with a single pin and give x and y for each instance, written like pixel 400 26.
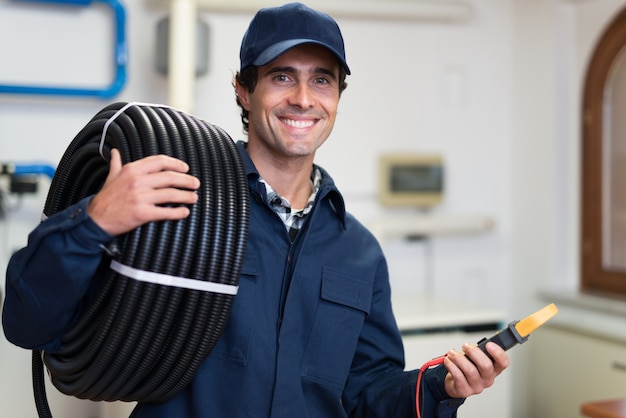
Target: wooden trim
pixel 594 276
pixel 605 409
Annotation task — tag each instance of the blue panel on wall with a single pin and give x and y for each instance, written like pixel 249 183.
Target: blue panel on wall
pixel 120 58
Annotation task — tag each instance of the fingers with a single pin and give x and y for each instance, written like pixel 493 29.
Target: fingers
pixel 165 197
pixel 156 163
pixel 465 377
pixel 146 190
pixel 500 359
pixel 115 165
pixel 159 172
pixel 471 371
pixel 172 179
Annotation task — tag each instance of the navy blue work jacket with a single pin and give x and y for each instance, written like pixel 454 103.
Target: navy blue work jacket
pixel 311 332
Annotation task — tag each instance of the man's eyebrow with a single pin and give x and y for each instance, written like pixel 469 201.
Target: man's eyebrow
pixel 285 69
pixel 326 71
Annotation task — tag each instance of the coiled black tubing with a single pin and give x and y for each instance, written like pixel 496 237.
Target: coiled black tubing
pixel 139 341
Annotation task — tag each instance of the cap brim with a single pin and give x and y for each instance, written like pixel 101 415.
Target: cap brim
pixel 274 51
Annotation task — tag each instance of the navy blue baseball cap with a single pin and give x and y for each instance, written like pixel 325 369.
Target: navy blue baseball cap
pixel 274 30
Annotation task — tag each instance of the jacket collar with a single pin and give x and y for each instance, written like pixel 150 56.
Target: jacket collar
pixel 328 189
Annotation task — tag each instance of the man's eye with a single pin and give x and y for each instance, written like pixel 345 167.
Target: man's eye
pixel 281 77
pixel 321 80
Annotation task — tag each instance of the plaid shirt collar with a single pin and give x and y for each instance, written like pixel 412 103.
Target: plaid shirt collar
pixel 292 218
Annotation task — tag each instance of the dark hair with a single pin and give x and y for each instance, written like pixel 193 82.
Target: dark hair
pixel 248 77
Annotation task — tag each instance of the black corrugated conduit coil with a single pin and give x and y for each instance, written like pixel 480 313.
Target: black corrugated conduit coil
pixel 142 340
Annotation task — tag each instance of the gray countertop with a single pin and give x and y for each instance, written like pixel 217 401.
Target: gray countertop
pixel 417 313
pixel 592 314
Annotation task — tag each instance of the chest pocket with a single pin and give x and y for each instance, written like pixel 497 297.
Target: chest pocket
pixel 345 302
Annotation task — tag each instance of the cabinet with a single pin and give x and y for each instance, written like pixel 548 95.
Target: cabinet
pixel 571 367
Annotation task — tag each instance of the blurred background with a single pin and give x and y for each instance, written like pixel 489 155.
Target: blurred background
pixel 492 88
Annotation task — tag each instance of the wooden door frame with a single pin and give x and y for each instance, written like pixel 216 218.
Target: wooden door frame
pixel 594 277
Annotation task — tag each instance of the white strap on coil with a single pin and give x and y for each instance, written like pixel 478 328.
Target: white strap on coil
pixel 119 112
pixel 167 280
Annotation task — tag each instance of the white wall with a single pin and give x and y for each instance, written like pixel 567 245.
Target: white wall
pixel 553 41
pixel 496 95
pixel 440 88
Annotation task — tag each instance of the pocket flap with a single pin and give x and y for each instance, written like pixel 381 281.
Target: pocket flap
pixel 346 290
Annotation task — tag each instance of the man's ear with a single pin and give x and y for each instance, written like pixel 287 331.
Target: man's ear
pixel 243 95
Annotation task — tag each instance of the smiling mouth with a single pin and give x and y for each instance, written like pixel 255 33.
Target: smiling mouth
pixel 300 124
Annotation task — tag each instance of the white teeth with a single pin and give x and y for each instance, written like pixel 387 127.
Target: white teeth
pixel 299 123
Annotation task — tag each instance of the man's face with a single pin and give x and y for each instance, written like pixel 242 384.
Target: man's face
pixel 293 107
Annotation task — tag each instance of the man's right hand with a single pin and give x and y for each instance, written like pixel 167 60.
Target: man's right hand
pixel 133 194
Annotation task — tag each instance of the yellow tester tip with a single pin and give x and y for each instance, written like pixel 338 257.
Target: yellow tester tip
pixel 534 321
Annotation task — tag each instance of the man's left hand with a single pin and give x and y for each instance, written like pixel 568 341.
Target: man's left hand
pixel 470 371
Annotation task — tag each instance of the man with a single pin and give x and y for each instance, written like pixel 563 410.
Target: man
pixel 311 332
